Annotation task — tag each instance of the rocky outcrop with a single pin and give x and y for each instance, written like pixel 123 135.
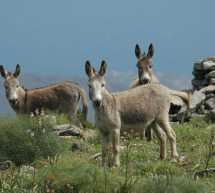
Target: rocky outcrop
pixel 202 100
pixel 204 73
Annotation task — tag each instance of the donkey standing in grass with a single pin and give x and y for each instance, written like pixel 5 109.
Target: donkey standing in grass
pixel 145 76
pixel 62 97
pixel 135 108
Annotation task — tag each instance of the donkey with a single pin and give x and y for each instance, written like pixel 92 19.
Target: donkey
pixel 144 66
pixel 144 76
pixel 62 97
pixel 135 108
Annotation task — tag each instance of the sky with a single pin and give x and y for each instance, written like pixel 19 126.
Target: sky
pixel 52 37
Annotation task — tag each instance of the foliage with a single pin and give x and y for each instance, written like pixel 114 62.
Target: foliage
pixel 16 144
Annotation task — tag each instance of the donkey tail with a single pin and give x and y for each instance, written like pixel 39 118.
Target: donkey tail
pixel 84 102
pixel 184 95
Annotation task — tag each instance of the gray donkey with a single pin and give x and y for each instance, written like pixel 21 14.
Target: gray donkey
pixel 135 108
pixel 144 66
pixel 144 76
pixel 62 97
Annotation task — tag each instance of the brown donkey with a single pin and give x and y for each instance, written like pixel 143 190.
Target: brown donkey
pixel 62 97
pixel 135 108
pixel 144 76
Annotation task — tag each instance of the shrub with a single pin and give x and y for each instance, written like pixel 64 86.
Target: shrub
pixel 16 145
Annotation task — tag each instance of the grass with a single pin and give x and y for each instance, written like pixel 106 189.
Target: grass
pixel 59 169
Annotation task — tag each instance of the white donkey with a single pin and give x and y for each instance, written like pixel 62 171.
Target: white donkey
pixel 135 108
pixel 62 97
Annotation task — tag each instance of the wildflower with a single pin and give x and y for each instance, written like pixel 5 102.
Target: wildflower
pixel 42 112
pixel 37 111
pixel 32 115
pixel 44 130
pixel 28 131
pixel 132 131
pixel 39 123
pixel 32 134
pixel 125 133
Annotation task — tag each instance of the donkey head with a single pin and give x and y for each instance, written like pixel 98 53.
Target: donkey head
pixel 96 83
pixel 144 64
pixel 11 84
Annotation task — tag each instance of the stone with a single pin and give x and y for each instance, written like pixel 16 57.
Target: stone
pixel 205 82
pixel 209 96
pixel 210 103
pixel 199 73
pixel 197 83
pixel 212 81
pixel 96 155
pixel 211 115
pixel 196 99
pixel 89 135
pixel 5 165
pixel 210 75
pixel 208 90
pixel 67 130
pixel 79 145
pixel 206 64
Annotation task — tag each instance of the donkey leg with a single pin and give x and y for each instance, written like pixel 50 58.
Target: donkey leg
pixel 115 134
pixel 104 141
pixel 164 124
pixel 149 133
pixel 162 137
pixel 72 117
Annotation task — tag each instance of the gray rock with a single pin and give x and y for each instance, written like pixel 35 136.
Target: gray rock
pixel 209 96
pixel 89 135
pixel 196 99
pixel 212 81
pixel 197 83
pixel 79 145
pixel 5 165
pixel 210 75
pixel 211 115
pixel 206 64
pixel 67 130
pixel 199 73
pixel 205 82
pixel 208 90
pixel 210 103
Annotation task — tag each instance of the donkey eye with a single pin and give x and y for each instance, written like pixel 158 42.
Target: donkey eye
pixel 90 86
pixel 17 86
pixel 6 87
pixel 150 66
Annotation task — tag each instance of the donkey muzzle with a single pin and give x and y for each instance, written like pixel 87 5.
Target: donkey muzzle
pixel 144 80
pixel 13 101
pixel 97 103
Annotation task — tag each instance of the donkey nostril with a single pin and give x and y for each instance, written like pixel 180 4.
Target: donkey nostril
pixel 144 80
pixel 97 102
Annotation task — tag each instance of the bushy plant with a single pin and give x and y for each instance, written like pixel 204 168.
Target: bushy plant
pixel 16 143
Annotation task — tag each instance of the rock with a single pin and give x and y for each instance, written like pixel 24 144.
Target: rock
pixel 205 82
pixel 208 90
pixel 5 165
pixel 206 64
pixel 199 73
pixel 211 115
pixel 212 81
pixel 196 99
pixel 210 103
pixel 210 75
pixel 96 155
pixel 50 119
pixel 197 83
pixel 209 96
pixel 89 135
pixel 67 130
pixel 79 145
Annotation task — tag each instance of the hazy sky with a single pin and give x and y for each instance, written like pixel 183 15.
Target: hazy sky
pixel 53 37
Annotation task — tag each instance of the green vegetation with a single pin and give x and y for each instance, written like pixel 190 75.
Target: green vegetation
pixel 31 142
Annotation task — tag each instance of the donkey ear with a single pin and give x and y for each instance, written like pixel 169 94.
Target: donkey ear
pixel 88 68
pixel 103 68
pixel 137 51
pixel 17 71
pixel 150 51
pixel 3 72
